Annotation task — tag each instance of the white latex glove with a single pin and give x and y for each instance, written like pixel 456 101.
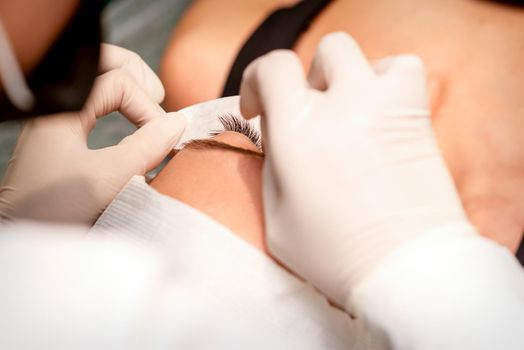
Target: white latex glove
pixel 54 176
pixel 352 170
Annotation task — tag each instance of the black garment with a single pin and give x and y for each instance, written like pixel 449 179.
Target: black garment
pixel 516 3
pixel 279 31
pixel 520 253
pixel 63 79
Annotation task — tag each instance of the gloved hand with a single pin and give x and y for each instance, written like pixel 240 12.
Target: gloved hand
pixel 54 176
pixel 352 170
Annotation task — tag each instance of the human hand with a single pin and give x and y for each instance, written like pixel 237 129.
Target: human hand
pixel 54 176
pixel 352 169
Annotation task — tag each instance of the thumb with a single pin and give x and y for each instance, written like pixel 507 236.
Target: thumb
pixel 148 146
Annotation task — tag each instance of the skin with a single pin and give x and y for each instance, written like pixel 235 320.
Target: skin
pixel 224 184
pixel 204 24
pixel 473 51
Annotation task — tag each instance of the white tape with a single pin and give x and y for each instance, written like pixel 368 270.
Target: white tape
pixel 203 118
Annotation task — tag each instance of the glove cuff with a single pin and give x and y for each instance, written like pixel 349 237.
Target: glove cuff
pixel 404 259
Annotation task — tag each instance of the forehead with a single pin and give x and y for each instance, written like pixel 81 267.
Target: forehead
pixel 203 118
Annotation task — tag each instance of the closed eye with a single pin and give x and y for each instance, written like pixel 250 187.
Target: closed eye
pixel 231 122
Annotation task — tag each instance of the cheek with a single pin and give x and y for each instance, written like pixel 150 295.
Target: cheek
pixel 224 185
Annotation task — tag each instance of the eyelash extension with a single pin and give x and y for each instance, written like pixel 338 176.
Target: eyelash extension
pixel 231 122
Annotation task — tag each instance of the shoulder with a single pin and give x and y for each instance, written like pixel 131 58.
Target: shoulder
pixel 204 44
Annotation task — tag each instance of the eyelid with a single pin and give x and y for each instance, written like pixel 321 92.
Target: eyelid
pixel 231 122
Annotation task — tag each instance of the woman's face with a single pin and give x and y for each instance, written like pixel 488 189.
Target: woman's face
pixel 221 177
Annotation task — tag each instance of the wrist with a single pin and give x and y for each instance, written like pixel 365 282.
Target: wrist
pixel 407 258
pixel 383 239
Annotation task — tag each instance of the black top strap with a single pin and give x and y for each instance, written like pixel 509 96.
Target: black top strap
pixel 278 31
pixel 520 253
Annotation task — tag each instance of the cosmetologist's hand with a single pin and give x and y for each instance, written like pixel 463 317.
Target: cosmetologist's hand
pixel 54 176
pixel 352 170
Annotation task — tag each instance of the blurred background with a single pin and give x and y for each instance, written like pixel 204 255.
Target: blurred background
pixel 139 25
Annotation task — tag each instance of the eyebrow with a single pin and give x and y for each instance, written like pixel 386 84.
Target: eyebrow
pixel 217 145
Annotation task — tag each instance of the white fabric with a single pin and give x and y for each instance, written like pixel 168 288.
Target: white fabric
pixel 61 291
pixel 174 279
pixel 448 289
pixel 240 295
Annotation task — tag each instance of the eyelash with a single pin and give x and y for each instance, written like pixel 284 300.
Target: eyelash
pixel 231 122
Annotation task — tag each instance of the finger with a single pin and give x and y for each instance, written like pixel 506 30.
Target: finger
pixel 406 75
pixel 114 57
pixel 116 90
pixel 148 146
pixel 338 59
pixel 270 82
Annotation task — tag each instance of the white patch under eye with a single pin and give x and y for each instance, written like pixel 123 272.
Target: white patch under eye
pixel 204 118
